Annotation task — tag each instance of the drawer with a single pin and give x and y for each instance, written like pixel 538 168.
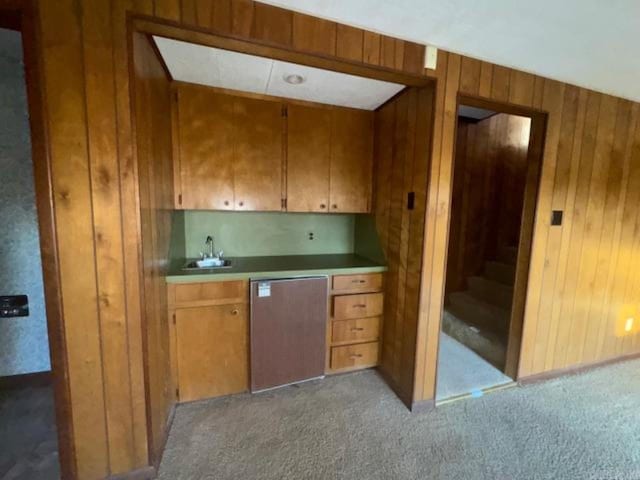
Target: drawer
pixel 369 282
pixel 358 330
pixel 346 307
pixel 354 356
pixel 211 292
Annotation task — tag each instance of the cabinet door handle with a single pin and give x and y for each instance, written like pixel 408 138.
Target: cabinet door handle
pixel 357 329
pixel 234 311
pixel 323 206
pixel 334 206
pixel 226 202
pixel 355 355
pixel 241 203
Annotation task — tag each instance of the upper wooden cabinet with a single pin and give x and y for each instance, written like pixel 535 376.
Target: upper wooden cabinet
pixel 258 156
pixel 351 160
pixel 308 154
pixel 206 138
pixel 232 151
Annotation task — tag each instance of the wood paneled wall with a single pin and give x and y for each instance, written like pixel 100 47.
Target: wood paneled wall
pixel 490 173
pixel 584 276
pixel 403 129
pixel 294 30
pixel 98 219
pixel 152 124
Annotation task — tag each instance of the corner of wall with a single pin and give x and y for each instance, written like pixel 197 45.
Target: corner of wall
pixel 178 244
pixel 366 241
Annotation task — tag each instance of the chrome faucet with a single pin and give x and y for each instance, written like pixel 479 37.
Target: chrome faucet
pixel 209 243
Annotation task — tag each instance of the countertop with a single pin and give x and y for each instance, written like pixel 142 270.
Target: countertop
pixel 243 268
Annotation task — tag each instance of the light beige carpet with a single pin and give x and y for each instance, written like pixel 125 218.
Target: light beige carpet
pixel 353 427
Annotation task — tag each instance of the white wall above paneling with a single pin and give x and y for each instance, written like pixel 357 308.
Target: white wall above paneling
pixel 215 67
pixel 590 43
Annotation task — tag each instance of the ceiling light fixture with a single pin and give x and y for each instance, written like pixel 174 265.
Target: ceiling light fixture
pixel 294 79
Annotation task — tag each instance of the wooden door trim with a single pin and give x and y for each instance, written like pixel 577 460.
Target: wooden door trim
pixel 212 38
pixel 27 12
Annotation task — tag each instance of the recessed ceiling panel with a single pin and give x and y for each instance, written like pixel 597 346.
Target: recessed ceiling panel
pixel 215 67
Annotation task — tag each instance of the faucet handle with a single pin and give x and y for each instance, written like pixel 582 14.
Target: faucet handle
pixel 220 253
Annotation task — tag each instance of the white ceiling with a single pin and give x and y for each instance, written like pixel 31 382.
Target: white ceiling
pixel 192 63
pixel 591 43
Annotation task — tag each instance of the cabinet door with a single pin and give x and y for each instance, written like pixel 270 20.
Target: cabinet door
pixel 351 160
pixel 205 137
pixel 308 156
pixel 258 155
pixel 211 349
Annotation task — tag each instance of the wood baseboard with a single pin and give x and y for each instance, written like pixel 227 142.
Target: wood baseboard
pixel 38 379
pixel 144 473
pixel 574 370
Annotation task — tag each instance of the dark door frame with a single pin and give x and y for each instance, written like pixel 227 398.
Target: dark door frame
pixel 532 186
pixel 22 15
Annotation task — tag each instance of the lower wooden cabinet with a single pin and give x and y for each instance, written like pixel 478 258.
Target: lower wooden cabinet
pixel 360 355
pixel 211 348
pixel 209 344
pixel 209 339
pixel 355 324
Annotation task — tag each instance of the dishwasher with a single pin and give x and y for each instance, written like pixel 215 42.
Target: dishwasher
pixel 288 331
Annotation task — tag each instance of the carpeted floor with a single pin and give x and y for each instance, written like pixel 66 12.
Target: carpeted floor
pixel 462 371
pixel 353 427
pixel 28 437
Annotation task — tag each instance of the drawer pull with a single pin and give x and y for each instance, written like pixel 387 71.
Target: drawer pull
pixel 355 355
pixel 358 281
pixel 357 329
pixel 359 305
pixel 234 311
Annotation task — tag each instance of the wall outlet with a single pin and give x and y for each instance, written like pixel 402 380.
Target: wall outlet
pixel 310 235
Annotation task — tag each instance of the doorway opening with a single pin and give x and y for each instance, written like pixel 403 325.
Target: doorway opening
pixel 27 409
pixel 495 182
pixel 35 406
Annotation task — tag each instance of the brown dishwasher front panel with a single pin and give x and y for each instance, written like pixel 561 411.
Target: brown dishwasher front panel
pixel 288 331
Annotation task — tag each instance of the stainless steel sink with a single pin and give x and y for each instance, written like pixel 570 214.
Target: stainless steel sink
pixel 192 265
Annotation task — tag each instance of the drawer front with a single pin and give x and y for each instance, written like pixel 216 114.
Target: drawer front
pixel 370 282
pixel 219 292
pixel 354 356
pixel 358 330
pixel 346 307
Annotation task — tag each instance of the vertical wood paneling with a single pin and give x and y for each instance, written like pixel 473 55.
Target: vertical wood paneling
pixel 130 223
pixel 61 32
pixel 106 274
pixel 272 24
pixel 242 17
pixel 402 156
pixel 169 9
pixel 413 59
pixel 107 224
pixel 154 155
pixel 349 43
pixel 470 76
pixel 371 48
pixel 583 280
pixel 314 34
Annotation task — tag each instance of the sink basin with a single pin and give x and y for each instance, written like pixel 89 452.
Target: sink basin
pixel 193 265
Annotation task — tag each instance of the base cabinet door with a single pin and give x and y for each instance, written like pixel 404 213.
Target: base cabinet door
pixel 212 351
